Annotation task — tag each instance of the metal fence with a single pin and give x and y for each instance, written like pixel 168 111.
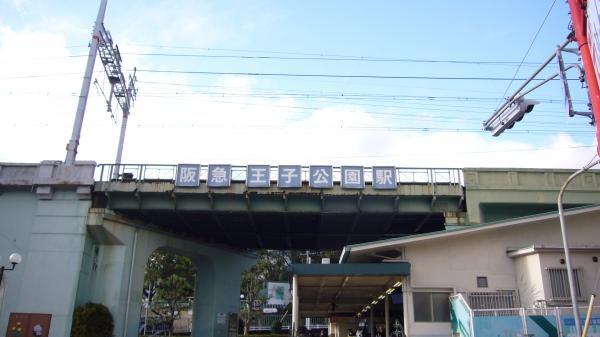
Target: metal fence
pixel 265 322
pixel 493 300
pixel 163 172
pixel 480 322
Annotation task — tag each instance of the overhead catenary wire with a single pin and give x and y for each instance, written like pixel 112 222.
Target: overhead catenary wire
pixel 324 58
pixel 327 55
pixel 528 49
pixel 408 103
pixel 472 152
pixel 356 128
pixel 382 77
pixel 340 98
pixel 308 108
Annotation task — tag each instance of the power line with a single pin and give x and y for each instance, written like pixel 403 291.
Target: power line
pixel 354 98
pixel 321 58
pixel 298 92
pixel 322 55
pixel 472 152
pixel 413 106
pixel 528 50
pixel 358 128
pixel 390 114
pixel 43 75
pixel 193 72
pixel 370 128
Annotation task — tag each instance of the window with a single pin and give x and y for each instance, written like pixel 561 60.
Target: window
pixel 559 283
pixel 482 282
pixel 431 307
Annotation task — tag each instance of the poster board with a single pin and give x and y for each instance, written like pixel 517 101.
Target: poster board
pixel 28 324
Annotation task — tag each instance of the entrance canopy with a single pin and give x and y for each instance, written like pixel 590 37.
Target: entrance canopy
pixel 344 289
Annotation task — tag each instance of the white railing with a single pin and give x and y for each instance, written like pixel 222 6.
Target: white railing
pixel 475 322
pixel 493 300
pixel 563 315
pixel 161 172
pixel 265 322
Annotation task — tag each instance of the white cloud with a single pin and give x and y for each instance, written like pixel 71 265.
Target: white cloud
pixel 199 127
pixel 18 4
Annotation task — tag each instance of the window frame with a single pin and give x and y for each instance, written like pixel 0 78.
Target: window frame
pixel 432 306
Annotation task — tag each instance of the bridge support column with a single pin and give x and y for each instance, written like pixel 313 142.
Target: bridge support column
pixel 371 318
pixel 387 315
pixel 295 306
pixel 217 295
pixel 218 277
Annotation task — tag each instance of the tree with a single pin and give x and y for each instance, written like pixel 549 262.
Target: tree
pixel 250 289
pixel 173 277
pixel 271 265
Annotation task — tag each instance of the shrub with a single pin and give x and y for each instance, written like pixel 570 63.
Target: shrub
pixel 276 327
pixel 92 320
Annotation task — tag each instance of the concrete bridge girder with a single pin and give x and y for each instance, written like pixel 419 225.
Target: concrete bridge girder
pixel 295 203
pixel 300 218
pixel 497 194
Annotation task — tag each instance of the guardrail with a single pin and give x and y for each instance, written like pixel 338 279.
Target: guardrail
pixel 493 300
pixel 164 172
pixel 516 321
pixel 264 322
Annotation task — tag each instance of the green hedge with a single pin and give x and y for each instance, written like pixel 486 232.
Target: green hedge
pixel 92 320
pixel 266 335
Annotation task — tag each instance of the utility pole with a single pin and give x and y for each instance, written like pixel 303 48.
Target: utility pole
pixel 85 87
pixel 123 92
pixel 578 14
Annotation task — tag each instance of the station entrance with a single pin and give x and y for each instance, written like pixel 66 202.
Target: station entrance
pixel 360 299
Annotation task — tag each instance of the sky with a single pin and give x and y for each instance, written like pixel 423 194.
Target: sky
pixel 292 82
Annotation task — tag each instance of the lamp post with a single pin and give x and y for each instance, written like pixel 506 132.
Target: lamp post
pixel 14 259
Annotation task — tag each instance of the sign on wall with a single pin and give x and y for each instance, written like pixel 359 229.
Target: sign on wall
pixel 289 176
pixel 188 175
pixel 219 176
pixel 258 176
pixel 321 177
pixel 353 177
pixel 384 177
pixel 278 293
pixel 28 324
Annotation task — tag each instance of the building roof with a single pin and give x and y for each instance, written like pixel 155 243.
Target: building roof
pixel 345 289
pixel 399 242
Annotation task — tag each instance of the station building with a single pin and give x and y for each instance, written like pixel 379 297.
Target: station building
pixel 505 278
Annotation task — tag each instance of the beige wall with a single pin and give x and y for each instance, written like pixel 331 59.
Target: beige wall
pixel 455 262
pixel 578 260
pixel 529 279
pixel 341 326
pixel 413 328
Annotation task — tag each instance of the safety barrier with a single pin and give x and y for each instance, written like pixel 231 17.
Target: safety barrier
pixel 164 172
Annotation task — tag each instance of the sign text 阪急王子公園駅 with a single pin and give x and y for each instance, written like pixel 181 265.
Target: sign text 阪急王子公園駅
pixel 288 176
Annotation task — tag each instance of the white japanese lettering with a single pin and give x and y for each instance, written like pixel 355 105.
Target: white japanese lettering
pixel 289 174
pixel 188 174
pixel 321 176
pixel 219 175
pixel 352 176
pixel 384 177
pixel 258 175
